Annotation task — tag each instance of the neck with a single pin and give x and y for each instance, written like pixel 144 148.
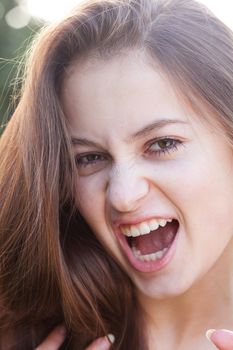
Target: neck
pixel 180 321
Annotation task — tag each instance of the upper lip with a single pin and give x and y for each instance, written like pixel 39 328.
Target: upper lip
pixel 135 221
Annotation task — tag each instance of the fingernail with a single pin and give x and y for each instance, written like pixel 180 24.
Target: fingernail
pixel 103 343
pixel 111 338
pixel 227 331
pixel 209 333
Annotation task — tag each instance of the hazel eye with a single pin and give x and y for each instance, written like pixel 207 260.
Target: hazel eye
pixel 164 145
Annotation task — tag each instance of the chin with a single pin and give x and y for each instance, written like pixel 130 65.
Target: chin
pixel 165 288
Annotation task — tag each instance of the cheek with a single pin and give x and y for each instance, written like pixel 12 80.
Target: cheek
pixel 198 176
pixel 202 190
pixel 90 199
pixel 205 200
pixel 91 204
pixel 89 194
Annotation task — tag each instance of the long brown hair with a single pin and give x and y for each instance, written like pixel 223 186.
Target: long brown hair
pixel 52 268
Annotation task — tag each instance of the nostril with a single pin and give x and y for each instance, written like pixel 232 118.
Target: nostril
pixel 125 196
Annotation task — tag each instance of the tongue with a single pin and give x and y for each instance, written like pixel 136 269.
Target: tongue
pixel 156 240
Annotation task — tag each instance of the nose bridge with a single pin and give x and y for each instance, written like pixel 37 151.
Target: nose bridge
pixel 126 186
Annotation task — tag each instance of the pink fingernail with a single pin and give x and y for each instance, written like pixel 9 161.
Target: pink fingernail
pixel 227 331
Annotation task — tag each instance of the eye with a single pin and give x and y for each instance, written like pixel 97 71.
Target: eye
pixel 88 159
pixel 164 145
pixel 90 163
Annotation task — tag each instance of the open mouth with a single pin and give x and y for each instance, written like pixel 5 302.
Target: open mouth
pixel 150 241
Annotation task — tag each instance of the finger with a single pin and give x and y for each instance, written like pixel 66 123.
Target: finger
pixel 222 338
pixel 54 340
pixel 103 343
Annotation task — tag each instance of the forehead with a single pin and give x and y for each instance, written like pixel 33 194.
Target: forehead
pixel 119 87
pixel 115 95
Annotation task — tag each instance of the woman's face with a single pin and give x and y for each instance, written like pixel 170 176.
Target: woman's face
pixel 145 160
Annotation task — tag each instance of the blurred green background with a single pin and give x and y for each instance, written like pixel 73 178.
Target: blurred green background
pixel 17 29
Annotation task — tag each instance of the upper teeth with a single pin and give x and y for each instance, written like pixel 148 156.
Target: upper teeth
pixel 143 228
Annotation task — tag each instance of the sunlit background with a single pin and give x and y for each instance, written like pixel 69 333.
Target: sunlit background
pixel 51 10
pixel 20 20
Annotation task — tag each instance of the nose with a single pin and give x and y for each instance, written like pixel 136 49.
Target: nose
pixel 126 189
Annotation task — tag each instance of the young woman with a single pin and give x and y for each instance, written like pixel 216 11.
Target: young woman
pixel 116 183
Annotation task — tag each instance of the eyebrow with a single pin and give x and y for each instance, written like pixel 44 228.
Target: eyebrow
pixel 84 142
pixel 158 124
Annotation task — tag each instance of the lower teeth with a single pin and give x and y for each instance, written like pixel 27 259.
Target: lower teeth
pixel 148 257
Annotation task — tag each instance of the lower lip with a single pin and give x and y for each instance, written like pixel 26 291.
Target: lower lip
pixel 148 266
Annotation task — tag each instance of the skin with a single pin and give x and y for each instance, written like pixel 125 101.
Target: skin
pixel 56 338
pixel 108 101
pixel 223 339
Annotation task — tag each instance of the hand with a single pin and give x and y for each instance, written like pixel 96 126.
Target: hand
pixel 103 343
pixel 221 338
pixel 56 338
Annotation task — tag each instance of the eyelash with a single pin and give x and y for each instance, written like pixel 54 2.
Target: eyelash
pixel 167 150
pixel 82 160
